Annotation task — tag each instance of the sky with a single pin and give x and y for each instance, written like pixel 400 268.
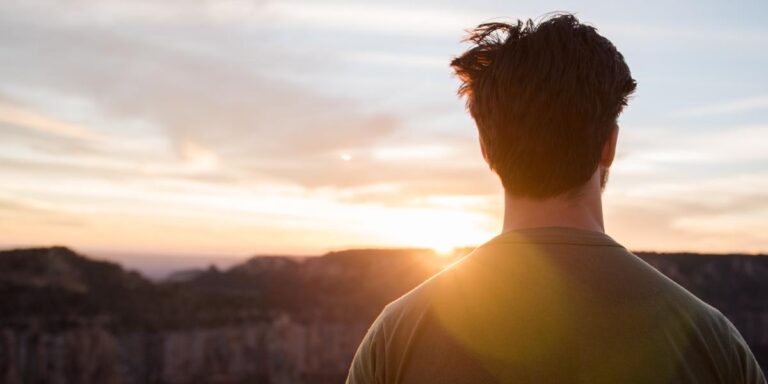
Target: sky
pixel 218 129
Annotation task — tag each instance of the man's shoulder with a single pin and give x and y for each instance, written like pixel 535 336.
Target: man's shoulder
pixel 418 300
pixel 710 341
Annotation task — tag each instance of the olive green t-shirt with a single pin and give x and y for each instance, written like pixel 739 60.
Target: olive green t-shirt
pixel 552 305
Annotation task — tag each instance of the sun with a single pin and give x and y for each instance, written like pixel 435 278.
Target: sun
pixel 444 250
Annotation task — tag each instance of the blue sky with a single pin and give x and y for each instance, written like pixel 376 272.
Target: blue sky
pixel 241 127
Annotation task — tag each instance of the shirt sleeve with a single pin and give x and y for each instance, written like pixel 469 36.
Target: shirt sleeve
pixel 744 367
pixel 368 364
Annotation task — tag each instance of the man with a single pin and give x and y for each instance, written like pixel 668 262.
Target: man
pixel 552 299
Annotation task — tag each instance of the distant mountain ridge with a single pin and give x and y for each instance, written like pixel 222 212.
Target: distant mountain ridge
pixel 268 319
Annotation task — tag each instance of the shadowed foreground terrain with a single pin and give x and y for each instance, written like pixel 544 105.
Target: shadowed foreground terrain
pixel 65 318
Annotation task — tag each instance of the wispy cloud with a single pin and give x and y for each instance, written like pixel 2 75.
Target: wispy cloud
pixel 751 104
pixel 27 118
pixel 197 155
pixel 683 151
pixel 383 18
pixel 21 211
pixel 680 33
pixel 379 58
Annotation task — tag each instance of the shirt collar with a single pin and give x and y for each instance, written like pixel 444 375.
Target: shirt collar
pixel 555 235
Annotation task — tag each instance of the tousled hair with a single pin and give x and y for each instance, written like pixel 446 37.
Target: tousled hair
pixel 545 98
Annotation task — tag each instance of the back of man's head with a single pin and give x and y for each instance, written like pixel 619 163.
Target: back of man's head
pixel 545 98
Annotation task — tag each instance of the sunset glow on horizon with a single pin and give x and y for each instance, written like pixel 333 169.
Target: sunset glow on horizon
pixel 269 127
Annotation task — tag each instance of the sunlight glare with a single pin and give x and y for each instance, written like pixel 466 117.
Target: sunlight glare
pixel 444 250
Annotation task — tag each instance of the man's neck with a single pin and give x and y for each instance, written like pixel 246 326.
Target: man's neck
pixel 582 210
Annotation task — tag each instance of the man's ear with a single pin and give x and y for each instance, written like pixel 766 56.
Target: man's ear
pixel 609 148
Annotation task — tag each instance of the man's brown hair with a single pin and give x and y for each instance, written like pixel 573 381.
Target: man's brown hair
pixel 545 98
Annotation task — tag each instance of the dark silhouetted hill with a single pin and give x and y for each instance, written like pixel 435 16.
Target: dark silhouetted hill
pixel 270 319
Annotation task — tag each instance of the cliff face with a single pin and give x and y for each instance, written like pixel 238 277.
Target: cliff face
pixel 67 319
pixel 280 351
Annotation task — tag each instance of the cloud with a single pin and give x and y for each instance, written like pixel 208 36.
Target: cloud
pixel 24 211
pixel 27 118
pixel 712 214
pixel 759 103
pixel 197 155
pixel 225 117
pixel 370 16
pixel 10 205
pixel 377 18
pixel 94 12
pixel 681 33
pixel 691 152
pixel 379 58
pixel 243 117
